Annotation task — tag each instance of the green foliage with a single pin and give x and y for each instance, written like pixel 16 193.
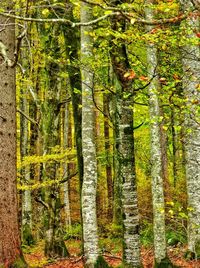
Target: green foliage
pixel 101 263
pixel 146 234
pixel 19 263
pixel 175 237
pixel 110 230
pixel 27 235
pixel 73 232
pixel 110 245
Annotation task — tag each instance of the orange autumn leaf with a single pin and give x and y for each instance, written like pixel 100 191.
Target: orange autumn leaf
pixel 130 75
pixel 143 78
pixel 198 34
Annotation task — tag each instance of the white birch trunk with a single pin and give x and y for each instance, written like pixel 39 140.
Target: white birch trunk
pixel 191 79
pixel 156 153
pixel 88 143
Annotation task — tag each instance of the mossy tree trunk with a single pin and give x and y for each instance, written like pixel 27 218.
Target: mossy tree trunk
pixel 54 244
pixel 156 152
pixel 130 216
pixel 109 179
pixel 191 78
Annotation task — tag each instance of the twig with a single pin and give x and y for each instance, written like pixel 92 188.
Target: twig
pixel 27 117
pixel 112 256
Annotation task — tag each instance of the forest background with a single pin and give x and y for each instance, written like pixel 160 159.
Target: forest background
pixel 107 133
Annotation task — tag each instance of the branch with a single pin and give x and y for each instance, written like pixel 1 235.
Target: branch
pixel 19 40
pixel 101 5
pixel 138 126
pixel 27 117
pixel 130 16
pixel 69 177
pixel 37 199
pixel 59 20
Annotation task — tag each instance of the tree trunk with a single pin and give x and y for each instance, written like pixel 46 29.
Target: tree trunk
pixel 66 167
pixel 10 252
pixel 89 186
pixel 26 228
pixel 120 63
pixel 106 98
pixel 191 68
pixel 54 244
pixel 156 152
pixel 72 37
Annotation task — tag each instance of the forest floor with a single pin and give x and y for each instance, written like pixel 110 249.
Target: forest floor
pixel 36 259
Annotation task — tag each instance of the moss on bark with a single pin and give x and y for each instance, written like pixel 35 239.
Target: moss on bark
pixel 56 249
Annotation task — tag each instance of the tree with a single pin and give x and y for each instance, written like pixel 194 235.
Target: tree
pixel 54 244
pixel 89 185
pixel 156 152
pixel 130 216
pixel 191 78
pixel 10 252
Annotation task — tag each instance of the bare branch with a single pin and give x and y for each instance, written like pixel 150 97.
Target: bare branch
pixel 129 16
pixel 27 117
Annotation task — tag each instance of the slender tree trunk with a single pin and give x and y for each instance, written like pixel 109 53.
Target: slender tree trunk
pixel 26 195
pixel 164 144
pixel 10 252
pixel 106 98
pixel 156 152
pixel 72 38
pixel 117 183
pixel 66 130
pixel 174 147
pixel 89 186
pixel 191 68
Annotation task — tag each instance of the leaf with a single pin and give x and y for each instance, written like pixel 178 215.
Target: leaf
pixel 133 20
pixel 198 34
pixel 126 74
pixel 45 12
pixel 143 78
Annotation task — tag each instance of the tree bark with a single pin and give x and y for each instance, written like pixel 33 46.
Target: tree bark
pixel 89 186
pixel 191 68
pixel 106 98
pixel 156 152
pixel 10 252
pixel 125 147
